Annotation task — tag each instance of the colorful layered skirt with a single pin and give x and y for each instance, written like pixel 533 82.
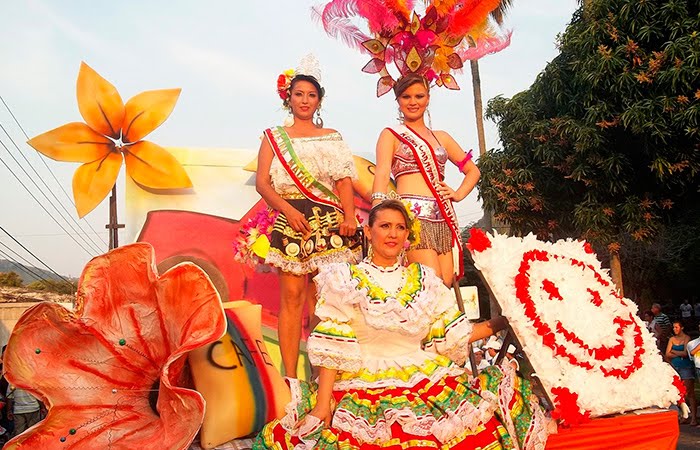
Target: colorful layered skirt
pixel 492 412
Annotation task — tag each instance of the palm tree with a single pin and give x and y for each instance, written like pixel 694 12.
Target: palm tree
pixel 497 14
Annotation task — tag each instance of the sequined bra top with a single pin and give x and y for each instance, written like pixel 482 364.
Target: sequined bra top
pixel 404 162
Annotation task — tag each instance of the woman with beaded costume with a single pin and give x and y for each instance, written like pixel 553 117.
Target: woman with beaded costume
pixel 305 172
pixel 416 156
pixel 389 346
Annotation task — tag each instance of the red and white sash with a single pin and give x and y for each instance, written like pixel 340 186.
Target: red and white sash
pixel 312 189
pixel 428 166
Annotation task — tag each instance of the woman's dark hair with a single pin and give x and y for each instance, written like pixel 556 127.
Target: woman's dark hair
pixel 310 79
pixel 680 322
pixel 393 204
pixel 409 80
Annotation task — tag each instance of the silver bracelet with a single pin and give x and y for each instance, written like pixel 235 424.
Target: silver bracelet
pixel 378 196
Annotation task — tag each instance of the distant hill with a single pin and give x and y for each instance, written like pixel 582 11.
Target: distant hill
pixel 27 277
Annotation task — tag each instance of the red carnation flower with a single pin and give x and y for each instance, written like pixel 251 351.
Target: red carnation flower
pixel 478 241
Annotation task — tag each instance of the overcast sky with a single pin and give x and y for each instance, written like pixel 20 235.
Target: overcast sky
pixel 225 55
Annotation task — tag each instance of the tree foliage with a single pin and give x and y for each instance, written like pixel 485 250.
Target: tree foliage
pixel 59 287
pixel 10 279
pixel 605 144
pixel 607 139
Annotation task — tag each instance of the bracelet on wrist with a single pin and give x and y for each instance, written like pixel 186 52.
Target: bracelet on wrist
pixel 378 196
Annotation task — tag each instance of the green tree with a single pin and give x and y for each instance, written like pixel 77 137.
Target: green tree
pixel 59 287
pixel 10 279
pixel 605 145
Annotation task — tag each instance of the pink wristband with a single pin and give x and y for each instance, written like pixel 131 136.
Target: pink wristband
pixel 467 158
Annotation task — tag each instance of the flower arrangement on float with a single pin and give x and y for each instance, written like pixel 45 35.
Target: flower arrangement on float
pixel 253 242
pixel 585 342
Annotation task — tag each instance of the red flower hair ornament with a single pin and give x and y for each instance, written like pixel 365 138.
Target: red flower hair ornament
pixel 111 373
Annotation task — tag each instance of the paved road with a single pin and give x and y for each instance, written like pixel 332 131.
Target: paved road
pixel 690 438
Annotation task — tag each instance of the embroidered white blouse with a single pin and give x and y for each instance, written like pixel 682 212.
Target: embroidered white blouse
pixel 328 158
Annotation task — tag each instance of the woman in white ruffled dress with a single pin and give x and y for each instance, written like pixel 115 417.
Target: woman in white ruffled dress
pixel 390 345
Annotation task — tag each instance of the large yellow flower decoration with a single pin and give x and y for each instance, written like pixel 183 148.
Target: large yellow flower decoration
pixel 112 134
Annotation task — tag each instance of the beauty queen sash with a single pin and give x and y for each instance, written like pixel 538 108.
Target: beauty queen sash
pixel 428 165
pixel 312 189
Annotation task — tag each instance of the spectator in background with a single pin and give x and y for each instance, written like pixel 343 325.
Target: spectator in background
pixel 510 357
pixel 648 318
pixel 23 408
pixel 694 352
pixel 677 354
pixel 492 348
pixel 697 309
pixel 481 363
pixel 686 310
pixel 662 328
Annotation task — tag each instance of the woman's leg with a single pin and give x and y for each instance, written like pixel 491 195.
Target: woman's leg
pixel 292 299
pixel 447 268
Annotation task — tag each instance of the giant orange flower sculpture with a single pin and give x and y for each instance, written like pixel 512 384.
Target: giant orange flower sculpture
pixel 113 133
pixel 111 373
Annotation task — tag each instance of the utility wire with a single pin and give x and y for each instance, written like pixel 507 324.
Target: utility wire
pixel 89 244
pixel 35 257
pixel 43 161
pixel 25 260
pixel 40 178
pixel 89 252
pixel 21 266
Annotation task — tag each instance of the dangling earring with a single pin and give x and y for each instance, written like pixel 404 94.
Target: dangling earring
pixel 289 120
pixel 430 120
pixel 370 252
pixel 318 121
pixel 401 117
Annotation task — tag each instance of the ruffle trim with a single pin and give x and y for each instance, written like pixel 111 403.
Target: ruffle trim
pixel 412 319
pixel 285 264
pixel 445 428
pixel 455 343
pixel 339 290
pixel 421 373
pixel 541 427
pixel 345 357
pixel 312 426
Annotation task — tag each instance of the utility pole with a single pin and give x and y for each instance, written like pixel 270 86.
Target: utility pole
pixel 113 226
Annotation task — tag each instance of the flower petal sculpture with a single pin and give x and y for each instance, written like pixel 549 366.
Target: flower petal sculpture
pixel 112 133
pixel 111 373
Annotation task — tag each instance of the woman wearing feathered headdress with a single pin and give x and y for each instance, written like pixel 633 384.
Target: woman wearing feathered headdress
pixel 305 172
pixel 416 155
pixel 425 45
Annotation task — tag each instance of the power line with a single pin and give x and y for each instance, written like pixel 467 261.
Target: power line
pixel 42 206
pixel 35 257
pixel 89 244
pixel 40 178
pixel 16 254
pixel 43 161
pixel 20 266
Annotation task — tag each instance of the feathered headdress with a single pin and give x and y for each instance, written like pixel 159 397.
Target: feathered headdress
pixel 434 43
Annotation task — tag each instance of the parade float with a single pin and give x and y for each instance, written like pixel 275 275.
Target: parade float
pixel 172 337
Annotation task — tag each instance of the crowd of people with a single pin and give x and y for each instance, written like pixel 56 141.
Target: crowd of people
pixel 678 348
pixel 390 345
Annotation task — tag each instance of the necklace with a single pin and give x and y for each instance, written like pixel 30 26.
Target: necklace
pixel 409 285
pixel 387 269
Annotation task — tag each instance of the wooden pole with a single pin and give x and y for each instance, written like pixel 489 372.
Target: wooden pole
pixel 113 226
